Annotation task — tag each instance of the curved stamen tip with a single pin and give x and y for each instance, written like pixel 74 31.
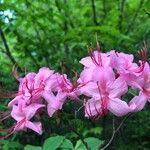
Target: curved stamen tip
pixel 143 53
pixel 14 72
pixel 96 58
pixel 143 56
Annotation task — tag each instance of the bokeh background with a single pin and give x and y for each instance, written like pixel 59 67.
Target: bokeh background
pixel 57 34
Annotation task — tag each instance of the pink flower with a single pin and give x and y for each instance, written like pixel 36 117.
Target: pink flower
pixel 22 114
pixel 25 90
pixel 32 86
pixel 107 97
pixel 96 61
pixel 125 67
pixel 61 89
pixel 55 101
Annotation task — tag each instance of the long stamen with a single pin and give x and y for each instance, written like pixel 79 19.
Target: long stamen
pixel 11 129
pixel 104 101
pixel 4 115
pixel 143 57
pixel 96 58
pixel 97 111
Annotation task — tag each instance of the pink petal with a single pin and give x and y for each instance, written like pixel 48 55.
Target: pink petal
pixel 15 101
pixel 54 102
pixel 51 110
pixel 87 61
pixel 17 113
pixel 89 89
pixel 138 103
pixel 101 74
pixel 86 75
pixel 36 126
pixel 118 107
pixel 118 88
pixel 43 75
pixel 31 110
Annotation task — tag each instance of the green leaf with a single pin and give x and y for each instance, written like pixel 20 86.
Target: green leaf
pixel 53 143
pixel 66 144
pixel 93 144
pixel 30 147
pixel 7 145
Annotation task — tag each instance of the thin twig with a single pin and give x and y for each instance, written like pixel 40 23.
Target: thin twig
pixel 114 131
pixel 94 12
pixel 121 12
pixel 132 22
pixel 81 138
pixel 7 50
pixel 112 137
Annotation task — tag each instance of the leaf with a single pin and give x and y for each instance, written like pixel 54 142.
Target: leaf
pixel 53 143
pixel 10 145
pixel 93 144
pixel 66 144
pixel 30 147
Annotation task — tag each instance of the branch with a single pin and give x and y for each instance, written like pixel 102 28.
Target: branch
pixel 60 11
pixel 20 39
pixel 131 24
pixel 121 10
pixel 114 131
pixel 94 12
pixel 7 50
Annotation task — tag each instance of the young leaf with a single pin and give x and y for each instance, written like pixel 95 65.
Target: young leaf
pixel 53 143
pixel 93 144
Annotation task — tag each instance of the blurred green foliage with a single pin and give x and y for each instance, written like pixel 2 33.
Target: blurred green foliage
pixel 57 33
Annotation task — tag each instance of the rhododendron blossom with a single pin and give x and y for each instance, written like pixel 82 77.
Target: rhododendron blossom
pixel 103 83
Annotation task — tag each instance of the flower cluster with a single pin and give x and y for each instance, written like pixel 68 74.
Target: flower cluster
pixel 104 81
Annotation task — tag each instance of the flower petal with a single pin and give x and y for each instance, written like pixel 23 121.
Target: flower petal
pixel 138 103
pixel 118 88
pixel 31 110
pixel 36 126
pixel 89 89
pixel 118 107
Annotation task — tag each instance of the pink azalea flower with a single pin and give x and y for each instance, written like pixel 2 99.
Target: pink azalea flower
pixel 107 97
pixel 32 86
pixel 96 61
pixel 125 67
pixel 22 114
pixel 61 89
pixel 25 89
